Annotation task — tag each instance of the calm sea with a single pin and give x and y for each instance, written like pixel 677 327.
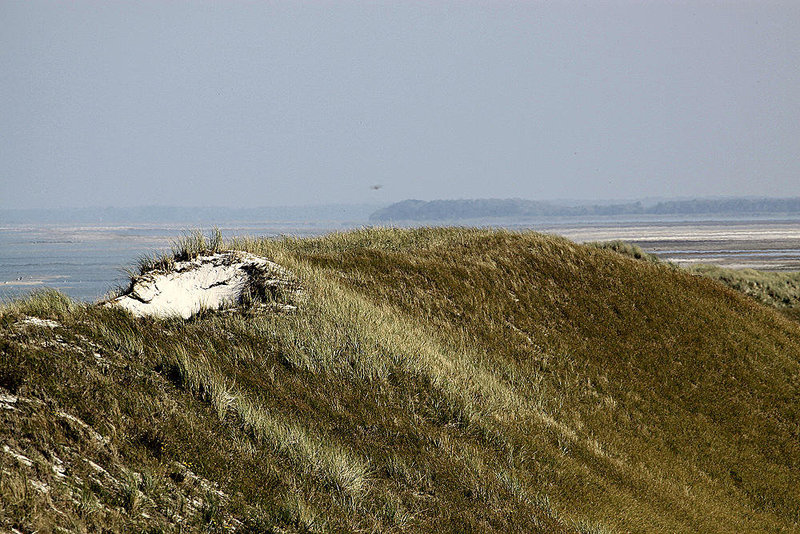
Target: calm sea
pixel 87 261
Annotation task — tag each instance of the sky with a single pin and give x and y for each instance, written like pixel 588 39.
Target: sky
pixel 246 104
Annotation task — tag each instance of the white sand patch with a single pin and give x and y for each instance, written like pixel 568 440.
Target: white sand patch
pixel 41 487
pixel 58 467
pixel 7 401
pixel 44 323
pixel 678 231
pixel 207 282
pixel 21 458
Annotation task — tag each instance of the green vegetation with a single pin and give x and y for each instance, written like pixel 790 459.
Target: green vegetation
pixel 626 249
pixel 449 380
pixel 778 289
pixel 191 245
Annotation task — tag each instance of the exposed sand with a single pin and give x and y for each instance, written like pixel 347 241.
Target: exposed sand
pixel 44 323
pixel 206 282
pixel 680 232
pixel 771 245
pixel 31 280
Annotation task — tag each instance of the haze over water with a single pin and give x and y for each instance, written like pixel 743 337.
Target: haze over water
pixel 284 103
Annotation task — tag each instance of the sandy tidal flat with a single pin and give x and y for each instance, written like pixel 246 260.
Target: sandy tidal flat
pixel 772 246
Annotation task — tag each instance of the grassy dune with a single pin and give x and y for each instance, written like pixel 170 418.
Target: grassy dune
pixel 778 289
pixel 448 380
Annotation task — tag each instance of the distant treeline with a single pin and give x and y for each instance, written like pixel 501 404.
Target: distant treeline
pixel 437 210
pixel 188 215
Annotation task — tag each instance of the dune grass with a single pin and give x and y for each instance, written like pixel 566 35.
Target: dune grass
pixel 448 379
pixel 778 289
pixel 626 249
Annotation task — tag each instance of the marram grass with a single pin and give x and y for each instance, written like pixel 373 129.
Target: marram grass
pixel 452 380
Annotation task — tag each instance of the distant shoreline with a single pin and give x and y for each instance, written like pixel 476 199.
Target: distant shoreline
pixel 192 215
pixel 494 208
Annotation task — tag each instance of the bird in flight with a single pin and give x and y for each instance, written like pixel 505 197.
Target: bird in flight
pixel 376 187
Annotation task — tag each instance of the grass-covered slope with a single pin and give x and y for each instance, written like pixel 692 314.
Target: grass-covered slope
pixel 433 379
pixel 778 289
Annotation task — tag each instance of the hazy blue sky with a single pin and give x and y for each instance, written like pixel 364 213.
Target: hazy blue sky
pixel 281 103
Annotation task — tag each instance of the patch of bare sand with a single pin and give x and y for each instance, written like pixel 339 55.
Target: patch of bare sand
pixel 216 281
